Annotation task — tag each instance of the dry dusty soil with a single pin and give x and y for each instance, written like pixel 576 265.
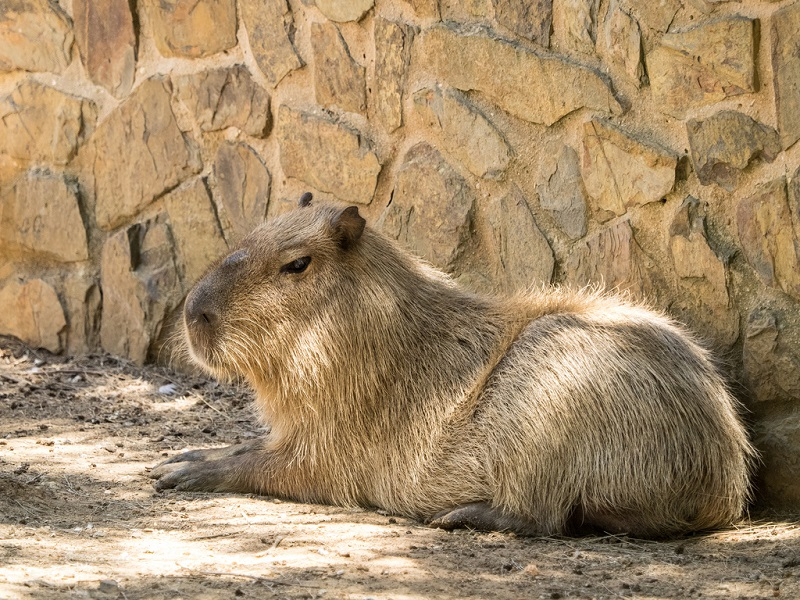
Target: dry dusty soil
pixel 79 516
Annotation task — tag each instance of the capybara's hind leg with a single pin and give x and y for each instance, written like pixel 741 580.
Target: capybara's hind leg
pixel 481 516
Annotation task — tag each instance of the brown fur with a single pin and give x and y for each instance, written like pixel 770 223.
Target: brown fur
pixel 386 385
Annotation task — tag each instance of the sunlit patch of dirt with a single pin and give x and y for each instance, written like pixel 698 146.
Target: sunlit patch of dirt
pixel 79 516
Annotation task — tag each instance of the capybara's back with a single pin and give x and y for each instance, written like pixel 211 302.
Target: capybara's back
pixel 610 415
pixel 386 385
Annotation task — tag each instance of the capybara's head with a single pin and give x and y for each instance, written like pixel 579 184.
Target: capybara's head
pixel 272 296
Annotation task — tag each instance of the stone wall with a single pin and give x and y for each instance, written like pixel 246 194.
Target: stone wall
pixel 649 145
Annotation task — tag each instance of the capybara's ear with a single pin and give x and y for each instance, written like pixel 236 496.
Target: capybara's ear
pixel 348 225
pixel 305 200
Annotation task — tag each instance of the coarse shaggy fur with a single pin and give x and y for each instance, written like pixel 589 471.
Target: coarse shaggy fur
pixel 386 385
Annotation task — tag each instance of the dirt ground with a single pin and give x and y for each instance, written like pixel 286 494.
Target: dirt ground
pixel 79 516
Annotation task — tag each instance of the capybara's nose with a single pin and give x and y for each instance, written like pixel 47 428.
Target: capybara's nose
pixel 200 311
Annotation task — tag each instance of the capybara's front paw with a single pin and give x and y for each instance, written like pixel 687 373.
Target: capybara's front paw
pixel 194 476
pixel 208 454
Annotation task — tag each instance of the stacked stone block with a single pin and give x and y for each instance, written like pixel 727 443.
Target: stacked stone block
pixel 645 146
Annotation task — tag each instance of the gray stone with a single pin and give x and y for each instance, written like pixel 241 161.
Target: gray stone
pixel 620 172
pixel 465 133
pixel 342 11
pixel 574 23
pixel 241 188
pixel 777 437
pixel 540 88
pixel 40 214
pixel 768 239
pixel 619 42
pixel 223 98
pixel 432 207
pixel 531 19
pixel 140 286
pixel 525 258
pixel 196 230
pixel 726 143
pixel 563 196
pixel 268 24
pixel 138 153
pixel 34 36
pixel 392 57
pixel 42 125
pixel 107 42
pixel 339 81
pixel 327 155
pixel 771 354
pixel 703 301
pixel 703 65
pixel 32 312
pixel 786 71
pixel 611 258
pixel 192 28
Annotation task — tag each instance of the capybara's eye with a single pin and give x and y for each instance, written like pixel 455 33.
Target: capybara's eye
pixel 296 266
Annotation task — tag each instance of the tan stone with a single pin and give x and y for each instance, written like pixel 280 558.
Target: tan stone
pixel 620 172
pixel 563 196
pixel 465 133
pixel 768 239
pixel 392 57
pixel 241 188
pixel 268 23
pixel 611 258
pixel 771 354
pixel 703 65
pixel 192 28
pixel 107 42
pixel 226 97
pixel 82 301
pixel 342 11
pixel 40 124
pixel 196 230
pixel 525 258
pixel 327 155
pixel 704 302
pixel 34 36
pixel 619 41
pixel 32 313
pixel 432 207
pixel 460 10
pixel 540 88
pixel 574 25
pixel 725 143
pixel 140 286
pixel 339 81
pixel 427 9
pixel 653 14
pixel 785 25
pixel 531 19
pixel 40 214
pixel 138 153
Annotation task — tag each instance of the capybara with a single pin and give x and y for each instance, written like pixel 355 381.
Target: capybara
pixel 384 384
